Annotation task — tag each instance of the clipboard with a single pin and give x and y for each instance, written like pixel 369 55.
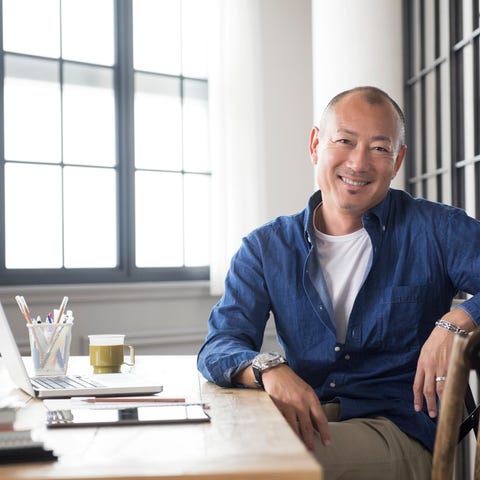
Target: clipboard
pixel 124 416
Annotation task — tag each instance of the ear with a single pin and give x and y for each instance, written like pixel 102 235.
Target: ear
pixel 399 160
pixel 314 145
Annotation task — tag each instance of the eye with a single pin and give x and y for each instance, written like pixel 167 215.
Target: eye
pixel 380 149
pixel 344 141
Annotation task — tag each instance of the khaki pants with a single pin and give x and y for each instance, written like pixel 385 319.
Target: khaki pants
pixel 370 449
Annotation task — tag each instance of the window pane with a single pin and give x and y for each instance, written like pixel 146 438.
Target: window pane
pixel 197 220
pixel 158 219
pixel 196 15
pixel 90 217
pixel 158 131
pixel 88 116
pixel 195 127
pixel 87 31
pixel 32 26
pixel 33 216
pixel 156 36
pixel 32 110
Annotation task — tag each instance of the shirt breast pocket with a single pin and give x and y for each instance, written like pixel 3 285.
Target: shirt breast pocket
pixel 403 307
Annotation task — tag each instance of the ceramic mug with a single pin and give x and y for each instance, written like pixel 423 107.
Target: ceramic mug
pixel 107 353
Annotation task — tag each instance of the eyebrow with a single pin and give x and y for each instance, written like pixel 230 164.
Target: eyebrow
pixel 382 138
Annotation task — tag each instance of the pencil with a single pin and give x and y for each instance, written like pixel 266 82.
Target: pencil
pixel 22 305
pixel 58 319
pixel 132 400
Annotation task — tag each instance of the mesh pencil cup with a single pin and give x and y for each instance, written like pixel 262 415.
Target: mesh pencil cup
pixel 50 347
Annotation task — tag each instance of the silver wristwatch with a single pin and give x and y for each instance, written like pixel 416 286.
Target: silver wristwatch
pixel 264 361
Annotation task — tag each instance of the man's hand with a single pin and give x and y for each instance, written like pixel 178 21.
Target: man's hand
pixel 295 399
pixel 433 362
pixel 298 403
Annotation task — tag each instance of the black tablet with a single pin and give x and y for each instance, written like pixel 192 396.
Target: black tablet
pixel 112 416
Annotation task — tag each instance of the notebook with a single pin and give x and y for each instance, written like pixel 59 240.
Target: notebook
pixel 69 385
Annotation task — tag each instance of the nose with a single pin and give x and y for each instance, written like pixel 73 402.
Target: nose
pixel 358 159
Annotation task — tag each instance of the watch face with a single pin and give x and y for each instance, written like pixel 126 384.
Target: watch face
pixel 264 361
pixel 267 360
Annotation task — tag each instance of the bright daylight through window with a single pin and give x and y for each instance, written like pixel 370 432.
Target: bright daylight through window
pixel 106 171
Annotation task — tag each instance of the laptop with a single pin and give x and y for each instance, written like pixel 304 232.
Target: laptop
pixel 69 385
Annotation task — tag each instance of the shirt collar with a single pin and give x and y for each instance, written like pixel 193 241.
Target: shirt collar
pixel 308 227
pixel 380 211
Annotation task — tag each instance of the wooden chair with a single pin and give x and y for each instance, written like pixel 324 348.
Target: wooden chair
pixel 456 397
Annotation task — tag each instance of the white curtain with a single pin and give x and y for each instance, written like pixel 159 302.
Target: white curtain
pixel 236 127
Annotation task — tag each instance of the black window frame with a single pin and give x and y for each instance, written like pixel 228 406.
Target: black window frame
pixel 457 41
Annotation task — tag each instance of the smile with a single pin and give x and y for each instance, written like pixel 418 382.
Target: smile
pixel 353 182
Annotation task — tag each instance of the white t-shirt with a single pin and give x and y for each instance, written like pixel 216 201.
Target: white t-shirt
pixel 344 260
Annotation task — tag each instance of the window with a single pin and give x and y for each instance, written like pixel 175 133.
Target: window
pixel 442 93
pixel 105 165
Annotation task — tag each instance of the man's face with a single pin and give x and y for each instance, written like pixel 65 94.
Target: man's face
pixel 356 152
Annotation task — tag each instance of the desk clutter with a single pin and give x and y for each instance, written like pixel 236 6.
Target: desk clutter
pixel 17 445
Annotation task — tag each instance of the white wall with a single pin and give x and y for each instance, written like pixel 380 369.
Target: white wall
pixel 157 318
pixel 172 318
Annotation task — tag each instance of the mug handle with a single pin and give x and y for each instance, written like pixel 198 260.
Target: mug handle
pixel 132 356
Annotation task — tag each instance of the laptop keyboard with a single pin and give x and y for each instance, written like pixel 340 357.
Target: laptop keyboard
pixel 63 382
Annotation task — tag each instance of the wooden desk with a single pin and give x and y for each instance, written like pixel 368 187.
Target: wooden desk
pixel 247 437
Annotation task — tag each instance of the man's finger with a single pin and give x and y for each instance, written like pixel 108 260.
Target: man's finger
pixel 320 423
pixel 440 385
pixel 430 394
pixel 418 390
pixel 306 431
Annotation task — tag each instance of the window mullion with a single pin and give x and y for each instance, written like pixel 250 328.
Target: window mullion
pixel 124 94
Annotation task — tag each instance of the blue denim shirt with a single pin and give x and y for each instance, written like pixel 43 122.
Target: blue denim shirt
pixel 423 253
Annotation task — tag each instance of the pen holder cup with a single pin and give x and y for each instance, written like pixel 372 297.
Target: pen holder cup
pixel 50 347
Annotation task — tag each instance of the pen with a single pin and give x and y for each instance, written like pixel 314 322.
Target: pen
pixel 131 400
pixel 59 316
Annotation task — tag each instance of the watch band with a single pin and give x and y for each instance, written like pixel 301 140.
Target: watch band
pixel 258 378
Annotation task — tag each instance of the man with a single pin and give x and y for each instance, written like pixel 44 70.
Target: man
pixel 357 284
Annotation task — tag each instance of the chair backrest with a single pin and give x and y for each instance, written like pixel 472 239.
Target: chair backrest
pixel 470 422
pixel 457 396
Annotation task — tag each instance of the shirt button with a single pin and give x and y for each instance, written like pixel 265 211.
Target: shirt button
pixel 347 357
pixel 332 384
pixel 337 348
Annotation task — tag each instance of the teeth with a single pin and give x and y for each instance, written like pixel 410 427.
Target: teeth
pixel 353 182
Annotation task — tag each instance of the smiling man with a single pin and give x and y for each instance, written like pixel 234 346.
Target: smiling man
pixel 360 285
